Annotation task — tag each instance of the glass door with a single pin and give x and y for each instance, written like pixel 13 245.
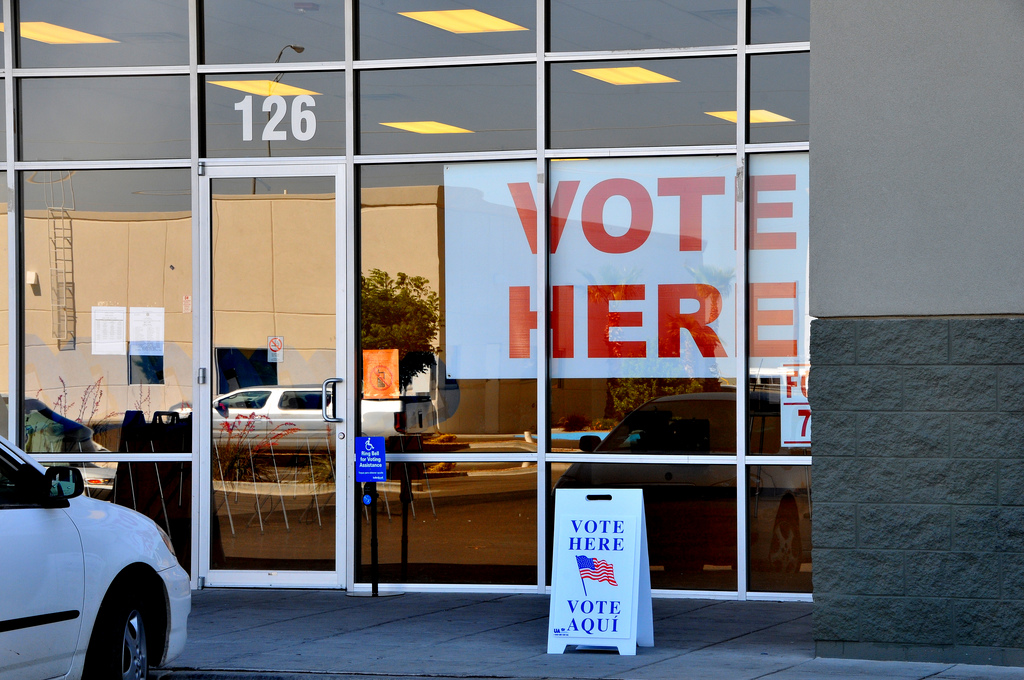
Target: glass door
pixel 274 510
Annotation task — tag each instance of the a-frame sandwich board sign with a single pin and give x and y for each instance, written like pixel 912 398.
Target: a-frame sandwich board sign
pixel 600 573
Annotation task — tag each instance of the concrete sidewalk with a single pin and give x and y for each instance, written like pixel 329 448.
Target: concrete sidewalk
pixel 253 634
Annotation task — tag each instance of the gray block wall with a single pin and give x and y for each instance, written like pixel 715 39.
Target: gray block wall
pixel 919 488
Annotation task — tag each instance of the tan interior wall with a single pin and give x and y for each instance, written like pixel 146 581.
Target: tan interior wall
pixel 119 260
pixel 273 274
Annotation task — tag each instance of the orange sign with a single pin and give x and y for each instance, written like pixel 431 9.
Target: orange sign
pixel 380 374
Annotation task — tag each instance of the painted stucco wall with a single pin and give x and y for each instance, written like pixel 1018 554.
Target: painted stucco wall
pixel 917 193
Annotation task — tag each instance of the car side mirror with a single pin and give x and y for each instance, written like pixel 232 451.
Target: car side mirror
pixel 63 483
pixel 221 408
pixel 589 442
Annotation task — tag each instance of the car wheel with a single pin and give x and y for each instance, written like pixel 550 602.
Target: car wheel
pixel 118 649
pixel 785 550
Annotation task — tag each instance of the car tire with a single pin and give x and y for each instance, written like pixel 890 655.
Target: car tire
pixel 117 650
pixel 785 550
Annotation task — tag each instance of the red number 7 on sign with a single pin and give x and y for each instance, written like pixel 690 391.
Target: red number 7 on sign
pixel 804 413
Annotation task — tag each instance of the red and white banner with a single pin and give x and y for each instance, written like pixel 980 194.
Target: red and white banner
pixel 643 267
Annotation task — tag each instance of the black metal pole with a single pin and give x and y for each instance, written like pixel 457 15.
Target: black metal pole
pixel 374 578
pixel 405 495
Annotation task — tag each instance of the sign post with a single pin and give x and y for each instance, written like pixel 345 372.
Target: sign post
pixel 600 574
pixel 371 467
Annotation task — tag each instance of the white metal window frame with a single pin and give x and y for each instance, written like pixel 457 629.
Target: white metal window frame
pixel 348 215
pixel 203 392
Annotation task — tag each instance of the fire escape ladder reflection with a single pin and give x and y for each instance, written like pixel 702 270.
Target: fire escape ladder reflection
pixel 60 200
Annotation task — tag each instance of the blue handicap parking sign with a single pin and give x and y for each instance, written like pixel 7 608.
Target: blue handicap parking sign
pixel 370 459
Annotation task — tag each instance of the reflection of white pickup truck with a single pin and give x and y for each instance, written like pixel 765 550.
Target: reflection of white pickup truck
pixel 292 419
pixel 425 403
pixel 288 417
pixel 392 417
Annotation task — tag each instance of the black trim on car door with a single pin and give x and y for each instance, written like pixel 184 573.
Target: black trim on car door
pixel 38 620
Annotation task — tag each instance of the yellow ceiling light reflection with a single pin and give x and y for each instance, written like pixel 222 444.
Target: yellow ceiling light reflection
pixel 428 127
pixel 52 34
pixel 756 116
pixel 464 21
pixel 264 88
pixel 626 75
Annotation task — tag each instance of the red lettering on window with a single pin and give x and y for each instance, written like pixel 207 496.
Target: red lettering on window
pixel 522 320
pixel 641 218
pixel 781 240
pixel 804 413
pixel 691 192
pixel 791 382
pixel 771 317
pixel 600 320
pixel 562 309
pixel 565 194
pixel 697 324
pixel 526 206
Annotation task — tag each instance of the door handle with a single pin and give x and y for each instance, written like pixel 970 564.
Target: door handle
pixel 330 388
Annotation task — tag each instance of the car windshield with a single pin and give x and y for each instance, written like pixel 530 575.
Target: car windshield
pixel 697 423
pixel 246 400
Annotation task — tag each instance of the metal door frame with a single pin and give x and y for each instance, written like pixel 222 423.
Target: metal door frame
pixel 203 389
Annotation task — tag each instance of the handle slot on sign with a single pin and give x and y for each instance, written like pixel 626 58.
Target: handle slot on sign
pixel 599 497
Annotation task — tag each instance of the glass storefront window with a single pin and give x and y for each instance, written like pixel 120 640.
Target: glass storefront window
pixel 448 307
pixel 643 346
pixel 244 32
pixel 779 21
pixel 53 33
pixel 104 118
pixel 478 108
pixel 690 512
pixel 274 459
pixel 400 29
pixel 640 346
pixel 643 273
pixel 661 102
pixel 5 387
pixel 3 124
pixel 779 523
pixel 780 416
pixel 108 271
pixel 275 114
pixel 779 506
pixel 454 522
pixel 578 25
pixel 780 97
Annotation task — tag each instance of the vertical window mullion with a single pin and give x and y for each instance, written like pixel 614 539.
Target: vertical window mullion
pixel 542 302
pixel 15 290
pixel 742 17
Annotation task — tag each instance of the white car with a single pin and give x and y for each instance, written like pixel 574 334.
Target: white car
pixel 89 587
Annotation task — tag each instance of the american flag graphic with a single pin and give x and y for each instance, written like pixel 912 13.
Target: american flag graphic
pixel 597 570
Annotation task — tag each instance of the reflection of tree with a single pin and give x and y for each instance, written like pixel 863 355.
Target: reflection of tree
pixel 400 313
pixel 627 394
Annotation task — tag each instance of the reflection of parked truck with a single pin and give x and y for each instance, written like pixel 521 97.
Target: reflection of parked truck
pixel 288 417
pixel 393 417
pixel 414 412
pixel 691 507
